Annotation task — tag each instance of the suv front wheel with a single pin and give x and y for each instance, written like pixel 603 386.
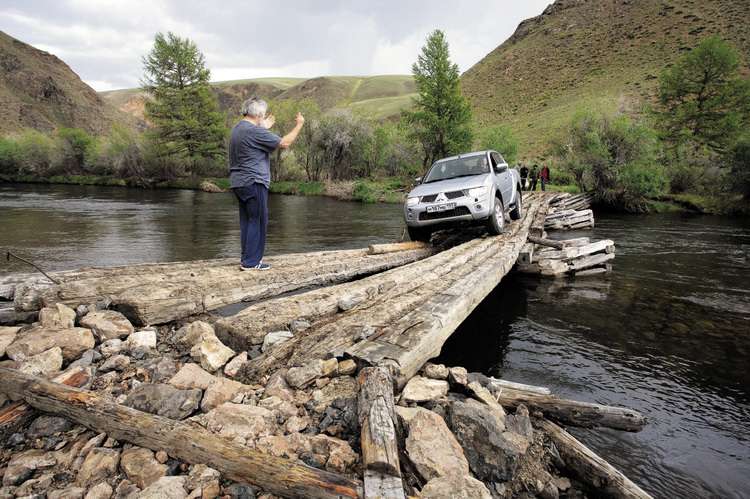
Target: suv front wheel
pixel 419 233
pixel 496 222
pixel 517 212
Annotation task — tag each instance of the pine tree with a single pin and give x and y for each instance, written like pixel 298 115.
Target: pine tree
pixel 183 112
pixel 442 116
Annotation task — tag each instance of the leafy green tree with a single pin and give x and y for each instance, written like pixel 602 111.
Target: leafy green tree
pixel 500 138
pixel 9 155
pixel 703 98
pixel 184 112
pixel 76 147
pixel 285 112
pixel 442 116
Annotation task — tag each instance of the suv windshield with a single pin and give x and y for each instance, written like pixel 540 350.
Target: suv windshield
pixel 459 167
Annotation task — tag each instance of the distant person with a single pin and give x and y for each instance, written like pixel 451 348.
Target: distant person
pixel 534 176
pixel 250 175
pixel 544 175
pixel 524 177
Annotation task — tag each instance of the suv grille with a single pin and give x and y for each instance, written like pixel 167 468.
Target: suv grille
pixel 455 212
pixel 429 199
pixel 454 194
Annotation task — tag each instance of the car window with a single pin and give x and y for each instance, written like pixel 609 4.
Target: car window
pixel 459 167
pixel 498 158
pixel 493 159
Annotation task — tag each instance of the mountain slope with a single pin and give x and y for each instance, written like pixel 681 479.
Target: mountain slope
pixel 38 90
pixel 592 54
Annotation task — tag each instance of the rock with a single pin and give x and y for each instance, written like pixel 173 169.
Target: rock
pixel 193 333
pixel 296 424
pixel 275 338
pixel 211 353
pixel 58 316
pixel 299 325
pixel 341 457
pixel 7 335
pixel 45 426
pixel 435 371
pixel 299 377
pixel 22 466
pixel 549 491
pixel 347 367
pixel 87 358
pixel 126 490
pixel 204 478
pixel 35 487
pixel 208 186
pixel 277 386
pixel 234 365
pixel 430 444
pixel 240 420
pixel 492 452
pixel 483 395
pixel 240 491
pixel 192 376
pixel 101 490
pixel 141 467
pixel 420 389
pixel 520 423
pixel 43 364
pixel 164 400
pixel 111 347
pixel 458 376
pixel 561 482
pixel 219 391
pixel 330 367
pixel 283 408
pixel 115 363
pixel 35 340
pixel 108 324
pixel 141 341
pixel 455 487
pixel 166 487
pixel 99 465
pixel 161 369
pixel 343 387
pixel 71 492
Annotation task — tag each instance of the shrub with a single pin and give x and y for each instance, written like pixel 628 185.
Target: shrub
pixel 499 138
pixel 77 147
pixel 9 156
pixel 37 153
pixel 739 162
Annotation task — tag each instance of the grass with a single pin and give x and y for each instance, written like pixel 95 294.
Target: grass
pixel 573 189
pixel 298 187
pixel 390 190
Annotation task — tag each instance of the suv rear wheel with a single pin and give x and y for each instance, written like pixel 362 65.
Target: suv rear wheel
pixel 419 233
pixel 517 212
pixel 496 222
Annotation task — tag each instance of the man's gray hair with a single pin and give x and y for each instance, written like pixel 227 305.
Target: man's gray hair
pixel 254 108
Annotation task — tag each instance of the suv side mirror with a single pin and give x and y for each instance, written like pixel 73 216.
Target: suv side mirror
pixel 418 180
pixel 501 168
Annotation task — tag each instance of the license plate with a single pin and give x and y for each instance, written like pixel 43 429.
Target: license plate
pixel 440 207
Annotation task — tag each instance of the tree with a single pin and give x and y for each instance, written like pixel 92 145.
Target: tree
pixel 77 145
pixel 739 162
pixel 184 112
pixel 285 111
pixel 703 98
pixel 500 138
pixel 441 120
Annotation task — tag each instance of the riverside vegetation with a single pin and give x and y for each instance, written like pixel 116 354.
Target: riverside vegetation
pixel 689 147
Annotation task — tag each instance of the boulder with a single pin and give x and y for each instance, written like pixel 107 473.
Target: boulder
pixel 101 490
pixel 483 395
pixel 343 387
pixel 341 457
pixel 435 371
pixel 43 364
pixel 208 186
pixel 161 368
pixel 240 420
pixel 458 376
pixel 493 453
pixel 7 335
pixel 73 342
pixel 58 316
pixel 46 426
pixel 190 334
pixel 204 478
pixel 141 341
pixel 520 423
pixel 274 338
pixel 111 347
pixel 277 386
pixel 430 445
pixel 211 353
pixel 71 492
pixel 115 363
pixel 283 408
pixel 299 325
pixel 164 400
pixel 108 324
pixel 234 365
pixel 126 490
pixel 22 466
pixel 455 487
pixel 100 464
pixel 420 389
pixel 166 487
pixel 299 377
pixel 347 367
pixel 141 467
pixel 192 376
pixel 219 391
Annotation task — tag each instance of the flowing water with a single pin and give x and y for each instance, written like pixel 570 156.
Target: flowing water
pixel 667 333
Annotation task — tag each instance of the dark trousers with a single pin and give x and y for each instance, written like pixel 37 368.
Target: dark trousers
pixel 253 201
pixel 533 184
pixel 544 183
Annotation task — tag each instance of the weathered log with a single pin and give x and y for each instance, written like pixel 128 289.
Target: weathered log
pixel 381 486
pixel 590 467
pixel 569 253
pixel 583 414
pixel 379 249
pixel 378 421
pixel 184 441
pixel 502 383
pixel 526 255
pixel 547 242
pixel 595 270
pixel 591 261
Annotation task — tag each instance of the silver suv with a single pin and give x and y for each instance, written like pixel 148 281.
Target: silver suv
pixel 472 188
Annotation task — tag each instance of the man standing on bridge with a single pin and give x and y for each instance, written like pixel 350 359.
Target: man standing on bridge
pixel 250 147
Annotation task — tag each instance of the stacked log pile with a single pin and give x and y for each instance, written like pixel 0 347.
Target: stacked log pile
pixel 570 211
pixel 566 201
pixel 578 256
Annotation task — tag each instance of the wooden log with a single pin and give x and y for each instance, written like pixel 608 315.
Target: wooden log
pixel 526 255
pixel 590 467
pixel 594 271
pixel 583 414
pixel 571 253
pixel 184 441
pixel 502 383
pixel 381 486
pixel 378 421
pixel 590 261
pixel 379 249
pixel 547 242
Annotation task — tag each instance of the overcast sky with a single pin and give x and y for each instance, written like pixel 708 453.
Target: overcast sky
pixel 104 40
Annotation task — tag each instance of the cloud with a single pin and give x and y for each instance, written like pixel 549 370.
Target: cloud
pixel 104 40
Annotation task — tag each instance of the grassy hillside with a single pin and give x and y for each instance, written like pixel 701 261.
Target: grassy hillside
pixel 38 90
pixel 592 54
pixel 379 97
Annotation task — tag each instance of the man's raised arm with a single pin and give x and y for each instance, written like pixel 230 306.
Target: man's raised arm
pixel 288 139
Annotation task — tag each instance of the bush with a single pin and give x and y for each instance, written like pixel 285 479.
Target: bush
pixel 9 156
pixel 37 153
pixel 739 163
pixel 499 138
pixel 77 147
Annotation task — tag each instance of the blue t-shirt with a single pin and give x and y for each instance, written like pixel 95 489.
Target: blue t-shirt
pixel 249 154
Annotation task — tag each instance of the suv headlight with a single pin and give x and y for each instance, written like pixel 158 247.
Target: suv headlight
pixel 477 192
pixel 412 201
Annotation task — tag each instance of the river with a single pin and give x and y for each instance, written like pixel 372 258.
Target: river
pixel 667 333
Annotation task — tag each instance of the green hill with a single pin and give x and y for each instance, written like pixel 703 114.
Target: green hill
pixel 592 54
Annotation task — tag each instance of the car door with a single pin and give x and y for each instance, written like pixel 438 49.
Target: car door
pixel 504 181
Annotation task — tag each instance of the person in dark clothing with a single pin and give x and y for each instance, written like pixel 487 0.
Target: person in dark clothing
pixel 544 175
pixel 250 147
pixel 524 177
pixel 534 177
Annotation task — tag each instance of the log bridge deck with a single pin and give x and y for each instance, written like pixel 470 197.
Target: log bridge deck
pixel 392 308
